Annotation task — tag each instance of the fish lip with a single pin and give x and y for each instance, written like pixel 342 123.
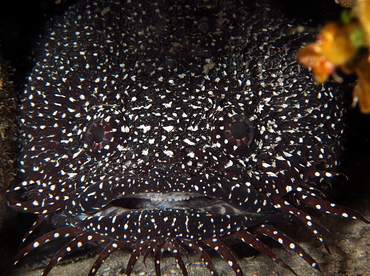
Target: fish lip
pixel 152 201
pixel 157 219
pixel 170 196
pixel 173 200
pixel 219 195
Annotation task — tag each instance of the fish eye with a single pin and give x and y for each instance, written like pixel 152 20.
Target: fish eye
pixel 234 132
pixel 99 133
pixel 238 130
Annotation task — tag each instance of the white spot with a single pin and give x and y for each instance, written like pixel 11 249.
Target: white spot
pixel 169 153
pixel 168 128
pixel 187 141
pixel 144 128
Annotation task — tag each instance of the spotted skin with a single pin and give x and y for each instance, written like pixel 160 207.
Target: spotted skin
pixel 173 126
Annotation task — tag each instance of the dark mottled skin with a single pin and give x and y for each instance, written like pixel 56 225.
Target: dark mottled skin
pixel 175 125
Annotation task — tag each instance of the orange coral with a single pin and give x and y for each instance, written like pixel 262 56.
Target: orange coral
pixel 363 13
pixel 332 49
pixel 344 45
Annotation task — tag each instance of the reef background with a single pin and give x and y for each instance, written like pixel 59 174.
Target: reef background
pixel 349 241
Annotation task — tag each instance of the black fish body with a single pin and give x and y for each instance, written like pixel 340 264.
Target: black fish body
pixel 175 125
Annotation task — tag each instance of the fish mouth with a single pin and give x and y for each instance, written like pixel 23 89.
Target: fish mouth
pixel 173 201
pixel 153 215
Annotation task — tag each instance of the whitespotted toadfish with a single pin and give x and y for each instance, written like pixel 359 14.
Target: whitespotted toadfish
pixel 175 126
